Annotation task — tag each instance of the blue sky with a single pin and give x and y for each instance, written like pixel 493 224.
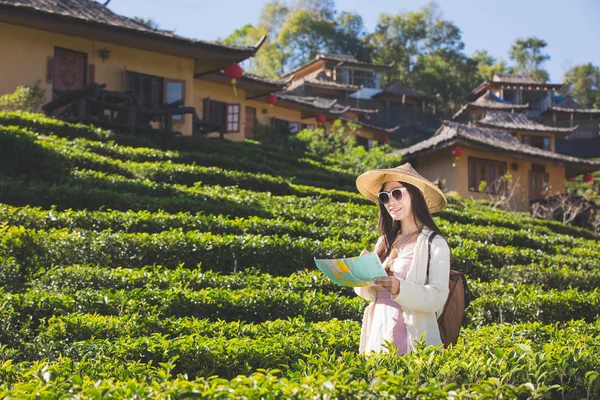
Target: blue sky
pixel 571 28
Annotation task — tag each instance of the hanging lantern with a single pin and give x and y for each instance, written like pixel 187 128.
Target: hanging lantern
pixel 386 139
pixel 457 152
pixel 571 178
pixel 234 72
pixel 320 118
pixel 588 178
pixel 271 99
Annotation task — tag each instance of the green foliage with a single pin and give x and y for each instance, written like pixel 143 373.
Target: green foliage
pixel 102 293
pixel 338 146
pixel 582 82
pixel 25 98
pixel 529 56
pixel 487 65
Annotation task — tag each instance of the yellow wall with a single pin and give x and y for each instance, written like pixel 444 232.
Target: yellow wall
pixel 439 165
pixel 520 177
pixel 25 51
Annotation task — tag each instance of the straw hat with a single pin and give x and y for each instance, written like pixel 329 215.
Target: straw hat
pixel 371 182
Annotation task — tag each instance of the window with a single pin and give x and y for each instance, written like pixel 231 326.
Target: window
pixel 233 118
pixel 307 126
pixel 147 88
pixel 541 142
pixel 484 170
pixel 367 79
pixel 511 95
pixel 175 91
pixel 285 127
pixel 534 99
pixel 214 112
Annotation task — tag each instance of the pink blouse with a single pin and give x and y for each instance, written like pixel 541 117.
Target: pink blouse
pixel 387 323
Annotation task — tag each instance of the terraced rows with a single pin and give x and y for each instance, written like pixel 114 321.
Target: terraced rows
pixel 116 261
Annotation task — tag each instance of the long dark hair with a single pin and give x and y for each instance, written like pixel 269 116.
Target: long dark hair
pixel 389 228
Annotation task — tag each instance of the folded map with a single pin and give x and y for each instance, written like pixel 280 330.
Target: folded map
pixel 353 271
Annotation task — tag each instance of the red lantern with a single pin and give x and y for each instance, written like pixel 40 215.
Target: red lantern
pixel 457 152
pixel 386 139
pixel 588 178
pixel 320 118
pixel 271 99
pixel 234 72
pixel 571 178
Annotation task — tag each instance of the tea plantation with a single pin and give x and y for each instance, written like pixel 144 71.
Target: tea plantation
pixel 117 260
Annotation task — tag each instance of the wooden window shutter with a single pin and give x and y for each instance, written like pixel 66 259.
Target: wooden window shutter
pixel 91 73
pixel 49 69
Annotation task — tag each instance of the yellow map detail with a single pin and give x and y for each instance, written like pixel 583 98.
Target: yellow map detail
pixel 342 266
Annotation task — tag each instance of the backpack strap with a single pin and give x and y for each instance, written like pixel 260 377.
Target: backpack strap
pixel 429 251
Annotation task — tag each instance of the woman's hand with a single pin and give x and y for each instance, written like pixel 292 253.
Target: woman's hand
pixel 364 252
pixel 390 283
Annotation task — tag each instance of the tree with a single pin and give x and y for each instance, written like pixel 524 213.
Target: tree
pixel 306 34
pixel 297 33
pixel 583 84
pixel 487 65
pixel 350 37
pixel 529 56
pixel 271 58
pixel 428 54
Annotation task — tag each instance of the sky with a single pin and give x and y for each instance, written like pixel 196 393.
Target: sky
pixel 570 27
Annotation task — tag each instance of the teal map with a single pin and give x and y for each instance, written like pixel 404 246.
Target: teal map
pixel 353 271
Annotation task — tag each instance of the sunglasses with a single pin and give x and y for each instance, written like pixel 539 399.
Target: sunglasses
pixel 396 194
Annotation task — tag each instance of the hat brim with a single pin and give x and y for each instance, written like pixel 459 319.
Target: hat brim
pixel 369 184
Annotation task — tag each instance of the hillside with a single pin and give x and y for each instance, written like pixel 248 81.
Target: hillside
pixel 116 267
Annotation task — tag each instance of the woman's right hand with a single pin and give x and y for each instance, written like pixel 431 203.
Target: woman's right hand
pixel 364 252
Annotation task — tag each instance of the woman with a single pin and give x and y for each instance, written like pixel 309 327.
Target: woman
pixel 404 304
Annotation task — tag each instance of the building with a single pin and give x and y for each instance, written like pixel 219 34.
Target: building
pixel 584 141
pixel 380 110
pixel 497 144
pixel 519 90
pixel 488 154
pixel 68 43
pixel 540 102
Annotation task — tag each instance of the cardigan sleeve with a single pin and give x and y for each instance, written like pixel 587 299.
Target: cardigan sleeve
pixel 368 292
pixel 431 297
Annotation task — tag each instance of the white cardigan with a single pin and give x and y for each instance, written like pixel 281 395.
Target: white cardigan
pixel 420 299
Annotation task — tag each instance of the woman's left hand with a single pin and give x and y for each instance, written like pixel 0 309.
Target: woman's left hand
pixel 390 283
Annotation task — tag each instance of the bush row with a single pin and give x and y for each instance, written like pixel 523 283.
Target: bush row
pixel 22 313
pixel 533 367
pixel 246 156
pixel 36 250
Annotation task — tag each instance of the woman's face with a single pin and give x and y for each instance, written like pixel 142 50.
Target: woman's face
pixel 398 209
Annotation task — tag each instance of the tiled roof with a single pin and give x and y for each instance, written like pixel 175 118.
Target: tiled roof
pixel 490 101
pixel 268 81
pixel 516 121
pixel 569 105
pixel 93 12
pixel 319 78
pixel 318 103
pixel 513 80
pixel 398 89
pixel 366 125
pixel 452 132
pixel 524 79
pixel 347 60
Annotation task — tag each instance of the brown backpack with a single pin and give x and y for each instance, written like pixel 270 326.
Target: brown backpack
pixel 459 298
